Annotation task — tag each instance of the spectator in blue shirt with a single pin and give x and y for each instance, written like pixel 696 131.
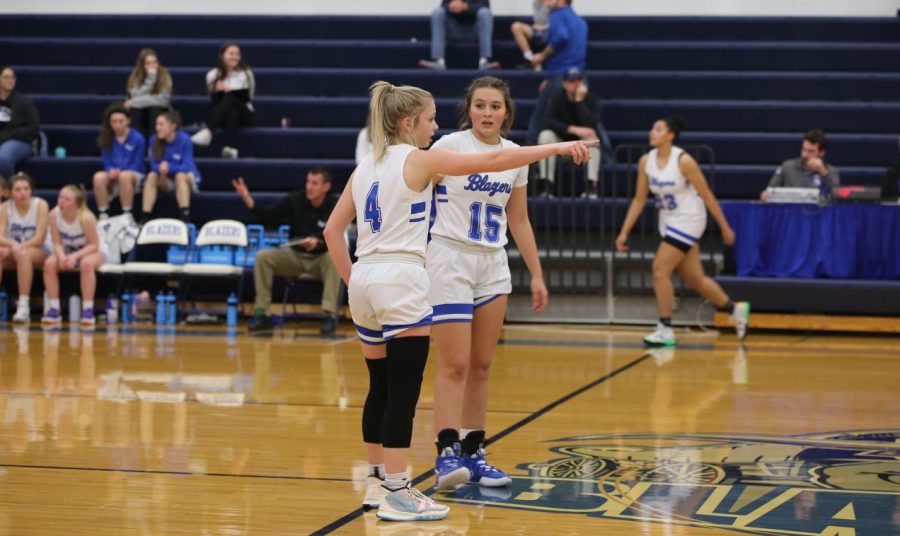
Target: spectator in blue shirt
pixel 123 150
pixel 171 156
pixel 566 48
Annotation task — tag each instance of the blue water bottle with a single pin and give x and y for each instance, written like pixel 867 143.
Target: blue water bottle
pixel 172 312
pixel 231 311
pixel 4 305
pixel 125 317
pixel 160 308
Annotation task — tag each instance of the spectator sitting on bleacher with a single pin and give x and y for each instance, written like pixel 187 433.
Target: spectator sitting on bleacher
pixel 566 48
pixel 532 37
pixel 306 212
pixel 122 149
pixel 461 20
pixel 809 170
pixel 231 87
pixel 148 90
pixel 23 220
pixel 76 246
pixel 572 115
pixel 171 156
pixel 363 143
pixel 19 126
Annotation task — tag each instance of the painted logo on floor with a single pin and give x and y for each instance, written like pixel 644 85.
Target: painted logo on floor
pixel 836 484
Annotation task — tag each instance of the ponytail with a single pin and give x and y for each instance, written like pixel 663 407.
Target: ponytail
pixel 388 106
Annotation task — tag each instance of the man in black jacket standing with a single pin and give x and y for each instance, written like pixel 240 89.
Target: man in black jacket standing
pixel 306 212
pixel 572 115
pixel 18 123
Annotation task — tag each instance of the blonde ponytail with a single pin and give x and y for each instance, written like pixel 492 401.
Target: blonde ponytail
pixel 388 106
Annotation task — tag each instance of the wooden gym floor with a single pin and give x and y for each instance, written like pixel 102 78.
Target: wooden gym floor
pixel 207 432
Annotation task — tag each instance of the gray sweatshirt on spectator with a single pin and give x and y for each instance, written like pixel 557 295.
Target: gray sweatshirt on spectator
pixel 141 96
pixel 792 174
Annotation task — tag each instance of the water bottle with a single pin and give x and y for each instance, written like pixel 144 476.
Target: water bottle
pixel 172 312
pixel 112 309
pixel 125 317
pixel 4 305
pixel 60 152
pixel 231 312
pixel 160 309
pixel 74 308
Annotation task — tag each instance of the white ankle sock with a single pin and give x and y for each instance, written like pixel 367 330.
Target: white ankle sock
pixel 395 481
pixel 53 304
pixel 529 55
pixel 377 470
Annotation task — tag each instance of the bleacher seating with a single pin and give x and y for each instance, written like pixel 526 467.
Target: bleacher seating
pixel 747 87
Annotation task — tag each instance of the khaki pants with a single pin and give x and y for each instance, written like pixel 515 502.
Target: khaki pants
pixel 287 262
pixel 547 167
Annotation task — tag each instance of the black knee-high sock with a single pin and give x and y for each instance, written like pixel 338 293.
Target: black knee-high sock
pixel 406 359
pixel 376 401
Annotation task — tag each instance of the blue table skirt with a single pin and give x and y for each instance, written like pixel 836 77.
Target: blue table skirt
pixel 838 242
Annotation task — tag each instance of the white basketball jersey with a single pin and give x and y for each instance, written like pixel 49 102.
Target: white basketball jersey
pixel 471 209
pixel 674 194
pixel 390 218
pixel 22 228
pixel 70 234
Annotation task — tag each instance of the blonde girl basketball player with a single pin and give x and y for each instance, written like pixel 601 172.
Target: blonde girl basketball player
pixel 682 196
pixel 470 281
pixel 76 246
pixel 23 219
pixel 388 194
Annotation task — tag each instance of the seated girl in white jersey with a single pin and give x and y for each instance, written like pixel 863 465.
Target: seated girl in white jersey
pixel 24 222
pixel 470 280
pixel 388 194
pixel 682 197
pixel 76 246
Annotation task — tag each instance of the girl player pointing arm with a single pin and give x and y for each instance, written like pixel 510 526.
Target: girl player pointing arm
pixel 388 195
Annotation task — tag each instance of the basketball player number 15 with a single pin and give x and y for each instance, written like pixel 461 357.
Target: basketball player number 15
pixel 492 226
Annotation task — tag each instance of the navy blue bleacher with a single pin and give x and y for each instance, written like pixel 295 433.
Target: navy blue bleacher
pixel 747 86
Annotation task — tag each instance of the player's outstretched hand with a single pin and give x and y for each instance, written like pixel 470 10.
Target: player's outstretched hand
pixel 578 150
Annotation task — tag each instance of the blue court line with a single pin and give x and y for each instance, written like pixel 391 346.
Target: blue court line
pixel 331 527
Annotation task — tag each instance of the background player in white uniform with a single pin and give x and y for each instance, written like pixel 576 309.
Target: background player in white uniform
pixel 388 287
pixel 76 246
pixel 681 191
pixel 23 219
pixel 469 276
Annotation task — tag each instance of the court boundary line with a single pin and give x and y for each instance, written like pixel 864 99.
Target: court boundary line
pixel 172 473
pixel 358 512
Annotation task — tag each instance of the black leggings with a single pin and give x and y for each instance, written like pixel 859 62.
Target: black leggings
pixel 230 113
pixel 144 119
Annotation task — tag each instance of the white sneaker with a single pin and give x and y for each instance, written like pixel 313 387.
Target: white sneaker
pixel 229 152
pixel 374 493
pixel 741 318
pixel 488 65
pixel 203 137
pixel 22 316
pixel 409 504
pixel 663 336
pixel 436 65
